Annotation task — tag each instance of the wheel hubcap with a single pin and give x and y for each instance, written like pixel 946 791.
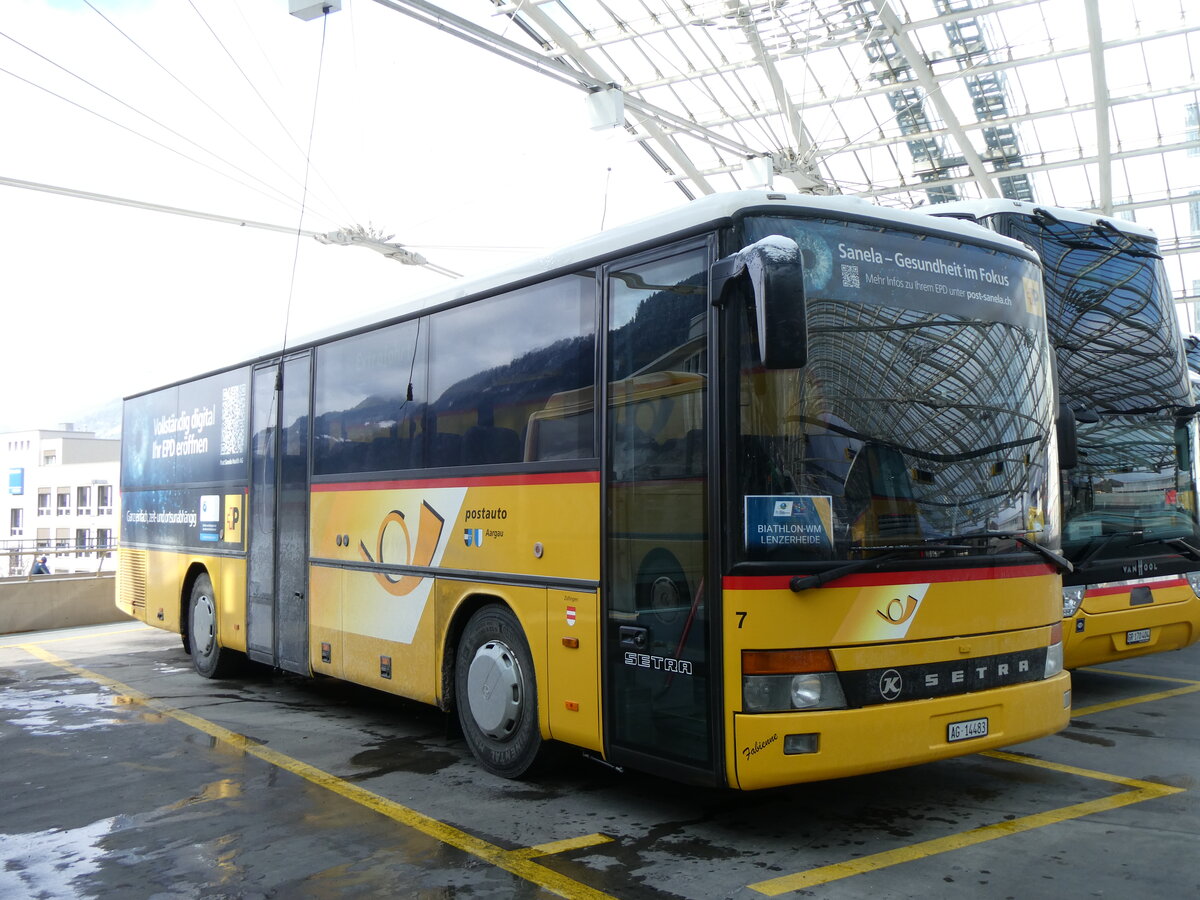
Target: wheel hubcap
pixel 495 690
pixel 204 625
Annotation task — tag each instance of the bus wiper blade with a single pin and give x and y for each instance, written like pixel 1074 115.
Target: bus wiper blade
pixel 931 544
pixel 1058 561
pixel 804 582
pixel 1178 544
pixel 1107 230
pixel 890 551
pixel 1105 541
pixel 1083 244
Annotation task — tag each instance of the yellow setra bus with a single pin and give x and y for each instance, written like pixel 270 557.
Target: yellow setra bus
pixel 1130 524
pixel 740 494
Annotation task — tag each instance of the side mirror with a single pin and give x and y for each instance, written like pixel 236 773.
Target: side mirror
pixel 774 271
pixel 1068 442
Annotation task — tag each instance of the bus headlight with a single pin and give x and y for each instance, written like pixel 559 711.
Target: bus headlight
pixel 1194 580
pixel 780 693
pixel 1054 653
pixel 1073 596
pixel 782 680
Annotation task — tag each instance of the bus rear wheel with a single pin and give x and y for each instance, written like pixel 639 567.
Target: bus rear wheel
pixel 209 658
pixel 496 693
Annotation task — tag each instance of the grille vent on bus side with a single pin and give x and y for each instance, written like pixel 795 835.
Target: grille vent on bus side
pixel 132 578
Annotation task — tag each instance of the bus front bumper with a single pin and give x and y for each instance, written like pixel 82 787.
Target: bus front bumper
pixel 1093 638
pixel 774 749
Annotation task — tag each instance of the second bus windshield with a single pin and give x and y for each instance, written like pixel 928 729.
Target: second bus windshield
pixel 1121 368
pixel 924 410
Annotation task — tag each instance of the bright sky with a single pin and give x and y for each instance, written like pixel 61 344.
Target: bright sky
pixel 207 105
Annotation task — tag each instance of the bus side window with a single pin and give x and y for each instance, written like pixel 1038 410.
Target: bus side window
pixel 500 365
pixel 369 395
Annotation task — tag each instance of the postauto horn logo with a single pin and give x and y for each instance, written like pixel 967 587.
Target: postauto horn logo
pixel 429 531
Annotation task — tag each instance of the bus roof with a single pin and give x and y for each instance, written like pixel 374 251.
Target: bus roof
pixel 694 216
pixel 979 208
pixel 691 218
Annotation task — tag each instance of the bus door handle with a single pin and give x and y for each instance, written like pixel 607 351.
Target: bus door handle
pixel 633 638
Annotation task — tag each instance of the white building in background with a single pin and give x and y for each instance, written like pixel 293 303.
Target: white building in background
pixel 62 500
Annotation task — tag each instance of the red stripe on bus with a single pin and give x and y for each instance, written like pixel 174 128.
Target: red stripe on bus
pixel 1128 588
pixel 982 573
pixel 464 481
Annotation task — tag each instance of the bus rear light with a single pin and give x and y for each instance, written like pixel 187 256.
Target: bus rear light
pixel 1054 654
pixel 779 662
pixel 781 693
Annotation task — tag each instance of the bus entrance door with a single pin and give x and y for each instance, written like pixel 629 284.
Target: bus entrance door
pixel 277 605
pixel 657 677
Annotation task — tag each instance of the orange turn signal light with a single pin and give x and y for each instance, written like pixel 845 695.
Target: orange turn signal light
pixel 786 662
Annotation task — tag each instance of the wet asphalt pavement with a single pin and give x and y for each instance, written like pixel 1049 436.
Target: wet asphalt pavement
pixel 123 774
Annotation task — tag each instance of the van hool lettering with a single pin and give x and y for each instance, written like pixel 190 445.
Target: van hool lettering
pixel 868 687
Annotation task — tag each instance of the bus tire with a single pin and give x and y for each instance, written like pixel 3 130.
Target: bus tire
pixel 496 693
pixel 209 658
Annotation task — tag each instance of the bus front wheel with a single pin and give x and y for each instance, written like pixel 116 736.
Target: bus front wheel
pixel 496 693
pixel 209 658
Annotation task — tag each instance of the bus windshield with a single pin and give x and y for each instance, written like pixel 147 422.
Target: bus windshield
pixel 1122 369
pixel 924 413
pixel 1134 481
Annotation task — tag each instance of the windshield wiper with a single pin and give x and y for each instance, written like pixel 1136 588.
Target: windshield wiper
pixel 936 545
pixel 1177 410
pixel 1104 542
pixel 1103 228
pixel 1176 544
pixel 891 551
pixel 1059 562
pixel 804 582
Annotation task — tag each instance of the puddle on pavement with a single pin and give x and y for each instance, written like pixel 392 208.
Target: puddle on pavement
pixel 1084 738
pixel 401 755
pixel 46 863
pixel 46 711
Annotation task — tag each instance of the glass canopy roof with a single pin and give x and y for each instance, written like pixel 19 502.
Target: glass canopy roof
pixel 1088 104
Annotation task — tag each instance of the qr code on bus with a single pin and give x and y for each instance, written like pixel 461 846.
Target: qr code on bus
pixel 233 419
pixel 850 276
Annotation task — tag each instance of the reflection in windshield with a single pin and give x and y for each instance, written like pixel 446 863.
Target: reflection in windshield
pixel 1133 476
pixel 923 412
pixel 1111 318
pixel 1121 367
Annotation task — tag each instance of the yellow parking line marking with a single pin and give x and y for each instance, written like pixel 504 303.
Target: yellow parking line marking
pixel 549 849
pixel 1075 770
pixel 825 874
pixel 1140 790
pixel 1141 675
pixel 512 861
pixel 75 637
pixel 1143 698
